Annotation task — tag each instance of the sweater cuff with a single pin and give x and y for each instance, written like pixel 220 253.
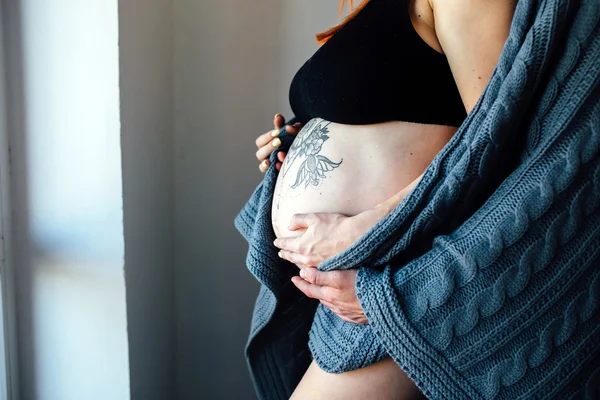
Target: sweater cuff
pixel 432 373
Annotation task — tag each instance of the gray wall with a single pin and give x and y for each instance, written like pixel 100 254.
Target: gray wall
pixel 145 59
pixel 233 64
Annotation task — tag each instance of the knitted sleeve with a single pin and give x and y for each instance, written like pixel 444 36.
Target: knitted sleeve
pixel 507 304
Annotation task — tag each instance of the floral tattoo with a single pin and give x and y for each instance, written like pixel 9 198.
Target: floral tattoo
pixel 313 168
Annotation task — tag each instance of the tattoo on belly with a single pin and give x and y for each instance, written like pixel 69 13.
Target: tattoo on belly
pixel 307 147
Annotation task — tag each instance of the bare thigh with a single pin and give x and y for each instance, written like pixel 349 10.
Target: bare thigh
pixel 381 381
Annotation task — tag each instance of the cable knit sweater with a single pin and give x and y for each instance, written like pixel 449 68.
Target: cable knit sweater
pixel 484 282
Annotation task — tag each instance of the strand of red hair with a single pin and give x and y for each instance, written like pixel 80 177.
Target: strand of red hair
pixel 325 36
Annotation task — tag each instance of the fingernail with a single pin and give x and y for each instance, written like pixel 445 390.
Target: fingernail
pixel 275 242
pixel 279 254
pixel 276 115
pixel 303 273
pixel 275 133
pixel 265 164
pixel 276 142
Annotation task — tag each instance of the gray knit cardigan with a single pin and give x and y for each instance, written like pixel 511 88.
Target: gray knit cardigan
pixel 484 282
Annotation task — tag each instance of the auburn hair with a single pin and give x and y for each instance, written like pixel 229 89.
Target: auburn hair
pixel 325 36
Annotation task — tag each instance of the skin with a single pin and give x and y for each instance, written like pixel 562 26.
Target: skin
pixel 471 33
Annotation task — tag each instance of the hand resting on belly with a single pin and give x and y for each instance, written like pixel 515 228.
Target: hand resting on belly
pixel 337 181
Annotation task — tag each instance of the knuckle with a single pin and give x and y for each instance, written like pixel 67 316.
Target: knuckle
pixel 313 275
pixel 296 259
pixel 310 294
pixel 261 154
pixel 304 260
pixel 328 297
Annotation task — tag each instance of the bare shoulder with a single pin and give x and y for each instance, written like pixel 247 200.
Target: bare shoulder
pixel 472 34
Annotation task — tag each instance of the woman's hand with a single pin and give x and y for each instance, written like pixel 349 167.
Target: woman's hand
pixel 335 290
pixel 324 236
pixel 269 141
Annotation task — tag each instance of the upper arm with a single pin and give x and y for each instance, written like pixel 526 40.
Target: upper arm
pixel 472 34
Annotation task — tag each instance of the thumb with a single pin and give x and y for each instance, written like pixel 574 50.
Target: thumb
pixel 311 275
pixel 319 278
pixel 301 221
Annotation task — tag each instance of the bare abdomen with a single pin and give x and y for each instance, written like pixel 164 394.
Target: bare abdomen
pixel 350 168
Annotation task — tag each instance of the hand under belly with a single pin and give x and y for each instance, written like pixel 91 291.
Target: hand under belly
pixel 350 168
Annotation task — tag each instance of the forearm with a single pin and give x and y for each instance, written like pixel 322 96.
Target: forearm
pixel 364 221
pixel 382 209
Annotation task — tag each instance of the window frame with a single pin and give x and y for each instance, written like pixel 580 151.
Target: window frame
pixel 8 337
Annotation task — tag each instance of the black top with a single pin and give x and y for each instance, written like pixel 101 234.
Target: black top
pixel 377 68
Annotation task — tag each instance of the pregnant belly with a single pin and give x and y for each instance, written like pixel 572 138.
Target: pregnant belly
pixel 348 169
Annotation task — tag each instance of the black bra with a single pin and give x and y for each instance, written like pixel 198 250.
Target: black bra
pixel 377 68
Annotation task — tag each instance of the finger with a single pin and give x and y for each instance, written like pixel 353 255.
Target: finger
pixel 288 243
pixel 296 258
pixel 278 166
pixel 281 155
pixel 303 266
pixel 267 149
pixel 294 250
pixel 312 291
pixel 278 121
pixel 320 278
pixel 266 137
pixel 263 166
pixel 293 129
pixel 299 221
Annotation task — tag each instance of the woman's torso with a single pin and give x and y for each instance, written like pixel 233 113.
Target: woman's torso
pixel 369 133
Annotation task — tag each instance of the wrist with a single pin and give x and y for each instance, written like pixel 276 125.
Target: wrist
pixel 365 220
pixel 384 208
